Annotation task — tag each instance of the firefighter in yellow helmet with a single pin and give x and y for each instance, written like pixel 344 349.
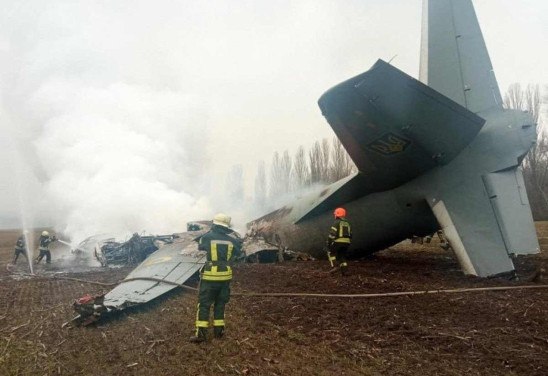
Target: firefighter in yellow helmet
pixel 44 242
pixel 339 239
pixel 222 246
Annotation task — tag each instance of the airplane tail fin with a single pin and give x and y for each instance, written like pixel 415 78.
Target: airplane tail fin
pixel 454 58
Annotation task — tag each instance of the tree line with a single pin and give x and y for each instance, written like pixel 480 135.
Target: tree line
pixel 324 163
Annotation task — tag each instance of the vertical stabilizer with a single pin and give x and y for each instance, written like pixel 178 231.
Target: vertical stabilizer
pixel 454 58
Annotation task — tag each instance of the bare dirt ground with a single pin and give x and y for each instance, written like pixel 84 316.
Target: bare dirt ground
pixel 480 333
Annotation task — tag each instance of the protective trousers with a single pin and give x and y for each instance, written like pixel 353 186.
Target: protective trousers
pixel 43 253
pixel 216 293
pixel 19 252
pixel 339 250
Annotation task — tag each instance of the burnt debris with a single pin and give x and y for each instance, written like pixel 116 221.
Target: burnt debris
pixel 131 252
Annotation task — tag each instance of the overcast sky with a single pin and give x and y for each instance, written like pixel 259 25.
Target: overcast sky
pixel 179 91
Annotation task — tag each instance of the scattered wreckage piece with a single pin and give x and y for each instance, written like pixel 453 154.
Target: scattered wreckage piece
pixel 428 239
pixel 133 251
pixel 174 263
pixel 171 265
pixel 87 246
pixel 198 225
pixel 259 250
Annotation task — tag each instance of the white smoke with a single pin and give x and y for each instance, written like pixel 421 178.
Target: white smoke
pixel 118 104
pixel 120 143
pixel 120 157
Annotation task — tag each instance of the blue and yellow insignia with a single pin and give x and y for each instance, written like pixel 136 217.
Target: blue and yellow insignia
pixel 389 144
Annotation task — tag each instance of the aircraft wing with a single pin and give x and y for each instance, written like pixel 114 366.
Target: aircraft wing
pixel 394 127
pixel 454 58
pixel 175 262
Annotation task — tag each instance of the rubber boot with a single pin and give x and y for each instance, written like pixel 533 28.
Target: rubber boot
pixel 201 336
pixel 344 268
pixel 219 331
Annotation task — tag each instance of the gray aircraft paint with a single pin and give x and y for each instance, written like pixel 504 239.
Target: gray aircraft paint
pixel 173 263
pixel 446 155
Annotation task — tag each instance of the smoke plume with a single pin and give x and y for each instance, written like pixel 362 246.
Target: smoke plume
pixel 116 142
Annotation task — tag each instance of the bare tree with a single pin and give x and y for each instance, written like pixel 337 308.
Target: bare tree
pixel 275 176
pixel 286 165
pixel 324 161
pixel 260 186
pixel 341 164
pixel 235 184
pixel 300 171
pixel 514 97
pixel 327 163
pixel 314 161
pixel 280 174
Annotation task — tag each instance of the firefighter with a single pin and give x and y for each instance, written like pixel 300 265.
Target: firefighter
pixel 21 247
pixel 44 242
pixel 340 236
pixel 222 246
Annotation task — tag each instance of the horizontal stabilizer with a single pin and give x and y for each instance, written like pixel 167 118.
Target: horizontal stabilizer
pixel 394 127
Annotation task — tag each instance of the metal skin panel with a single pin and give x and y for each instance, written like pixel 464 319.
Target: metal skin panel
pixel 478 240
pixel 457 195
pixel 508 197
pixel 175 262
pixel 452 235
pixel 454 58
pixel 378 220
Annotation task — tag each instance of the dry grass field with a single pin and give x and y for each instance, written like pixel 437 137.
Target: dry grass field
pixel 479 333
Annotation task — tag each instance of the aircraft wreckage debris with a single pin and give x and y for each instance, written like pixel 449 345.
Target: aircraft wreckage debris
pixel 173 263
pixel 131 252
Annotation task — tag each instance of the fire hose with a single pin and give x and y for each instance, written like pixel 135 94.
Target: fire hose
pixel 320 295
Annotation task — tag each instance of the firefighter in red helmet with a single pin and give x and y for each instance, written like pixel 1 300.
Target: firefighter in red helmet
pixel 340 236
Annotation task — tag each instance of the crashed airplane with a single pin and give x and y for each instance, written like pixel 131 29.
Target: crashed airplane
pixel 439 152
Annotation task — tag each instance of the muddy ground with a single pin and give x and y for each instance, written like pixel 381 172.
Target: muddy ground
pixel 480 333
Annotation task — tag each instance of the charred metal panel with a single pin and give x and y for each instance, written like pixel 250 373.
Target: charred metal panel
pixel 130 252
pixel 175 262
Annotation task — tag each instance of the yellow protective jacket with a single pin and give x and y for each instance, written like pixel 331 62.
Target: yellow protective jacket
pixel 222 246
pixel 340 232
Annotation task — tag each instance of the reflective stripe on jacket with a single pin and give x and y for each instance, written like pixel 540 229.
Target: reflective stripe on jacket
pixel 221 248
pixel 340 231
